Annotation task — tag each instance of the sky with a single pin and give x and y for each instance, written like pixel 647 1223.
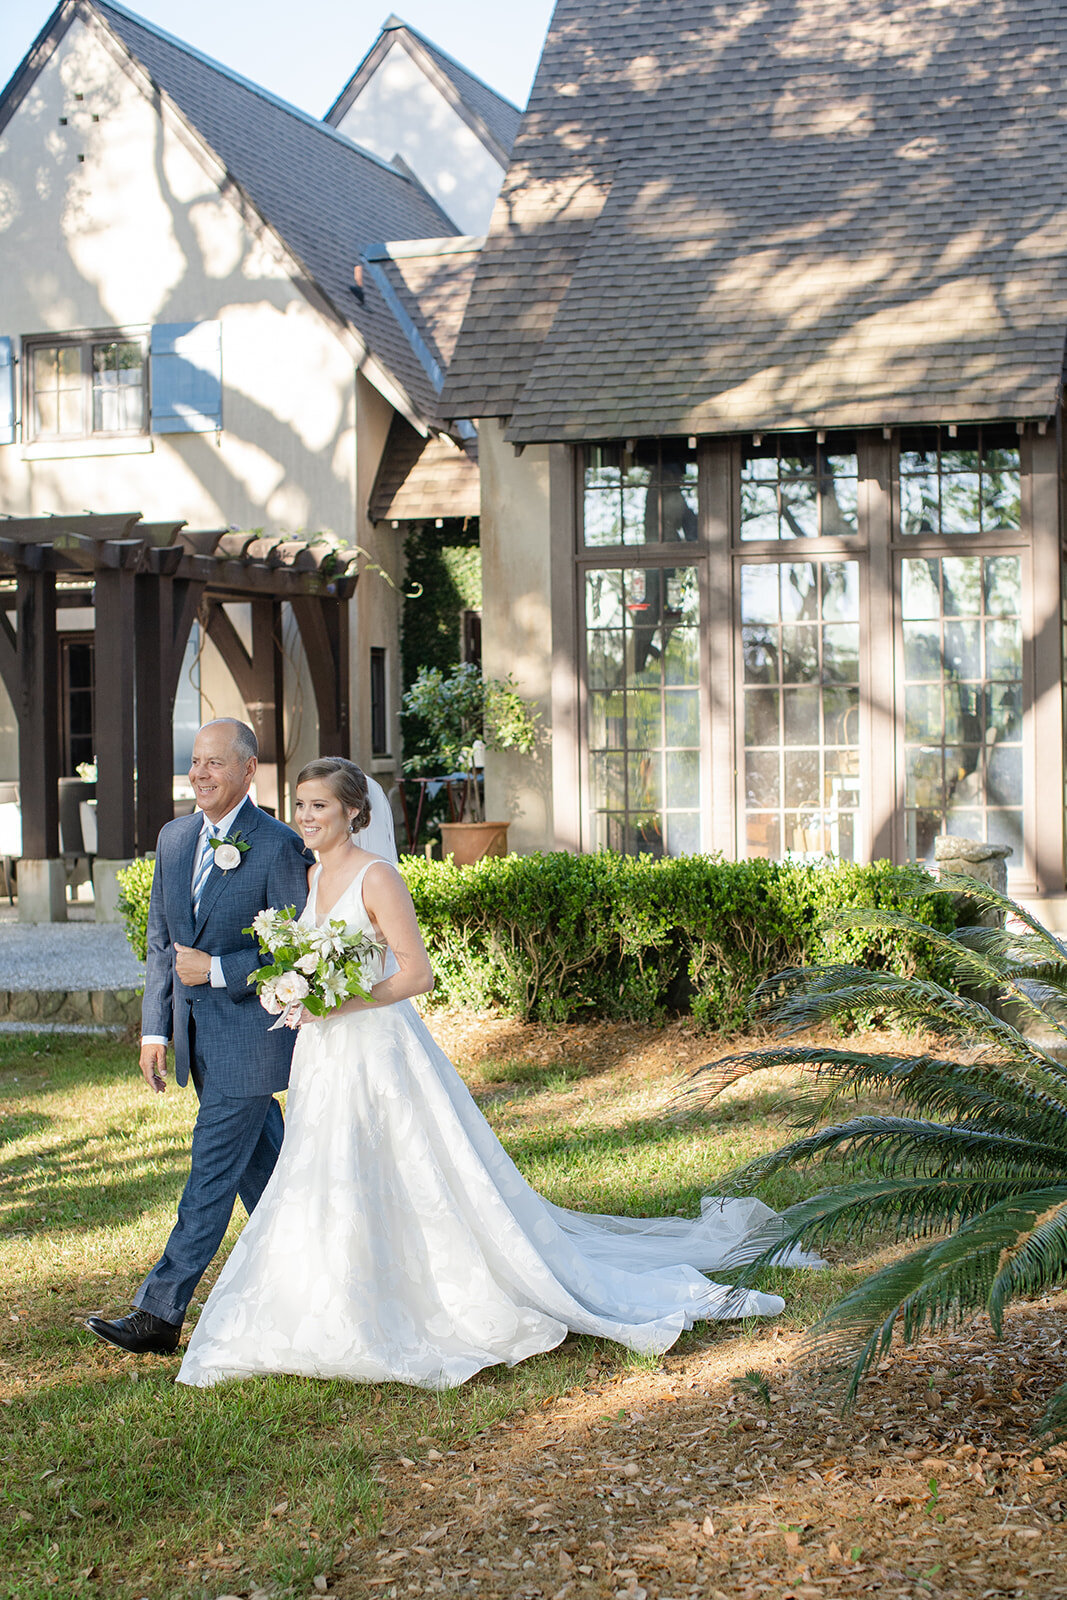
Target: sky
pixel 306 51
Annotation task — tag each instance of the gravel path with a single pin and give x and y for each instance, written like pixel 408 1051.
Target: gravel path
pixel 66 955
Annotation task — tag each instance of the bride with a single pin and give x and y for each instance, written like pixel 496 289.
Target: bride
pixel 396 1238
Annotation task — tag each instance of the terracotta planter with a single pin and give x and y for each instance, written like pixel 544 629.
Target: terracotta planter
pixel 468 842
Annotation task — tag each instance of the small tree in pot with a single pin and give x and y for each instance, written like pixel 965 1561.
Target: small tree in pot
pixel 461 710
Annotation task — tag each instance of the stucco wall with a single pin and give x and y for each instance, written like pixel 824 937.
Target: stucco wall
pixel 138 233
pixel 374 618
pixel 517 624
pixel 400 112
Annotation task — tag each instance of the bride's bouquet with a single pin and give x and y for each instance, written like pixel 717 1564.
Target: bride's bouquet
pixel 307 966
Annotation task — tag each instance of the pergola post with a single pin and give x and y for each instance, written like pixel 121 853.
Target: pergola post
pixel 323 628
pixel 260 683
pixel 146 583
pixel 42 884
pixel 115 737
pixel 266 708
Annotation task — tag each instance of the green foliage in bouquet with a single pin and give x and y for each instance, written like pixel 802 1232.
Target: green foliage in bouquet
pixel 317 967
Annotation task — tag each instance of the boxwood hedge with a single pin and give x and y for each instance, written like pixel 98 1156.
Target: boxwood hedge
pixel 557 937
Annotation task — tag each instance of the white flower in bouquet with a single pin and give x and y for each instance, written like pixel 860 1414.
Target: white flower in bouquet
pixel 334 987
pixel 309 968
pixel 291 987
pixel 268 997
pixel 328 941
pixel 268 929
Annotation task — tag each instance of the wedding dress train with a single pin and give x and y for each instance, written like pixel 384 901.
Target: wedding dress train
pixel 396 1240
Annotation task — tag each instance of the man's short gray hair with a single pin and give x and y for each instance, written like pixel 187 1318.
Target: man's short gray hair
pixel 245 743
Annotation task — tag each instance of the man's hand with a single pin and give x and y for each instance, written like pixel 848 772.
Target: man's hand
pixel 154 1066
pixel 192 966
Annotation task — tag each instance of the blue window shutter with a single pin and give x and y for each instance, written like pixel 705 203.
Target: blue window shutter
pixel 187 377
pixel 7 391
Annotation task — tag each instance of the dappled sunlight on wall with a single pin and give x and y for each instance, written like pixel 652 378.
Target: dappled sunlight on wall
pixel 113 216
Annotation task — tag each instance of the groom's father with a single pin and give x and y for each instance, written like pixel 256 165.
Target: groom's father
pixel 214 871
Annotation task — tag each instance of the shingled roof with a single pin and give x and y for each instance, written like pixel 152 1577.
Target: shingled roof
pixel 427 283
pixel 488 113
pixel 324 196
pixel 788 214
pixel 423 479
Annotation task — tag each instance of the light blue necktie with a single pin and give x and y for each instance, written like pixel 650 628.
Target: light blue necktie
pixel 204 862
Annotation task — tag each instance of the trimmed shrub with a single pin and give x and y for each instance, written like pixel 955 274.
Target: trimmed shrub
pixel 558 937
pixel 135 889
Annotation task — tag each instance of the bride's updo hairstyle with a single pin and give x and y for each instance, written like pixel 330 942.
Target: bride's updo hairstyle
pixel 346 781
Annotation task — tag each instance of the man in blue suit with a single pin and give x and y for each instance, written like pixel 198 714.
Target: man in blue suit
pixel 214 871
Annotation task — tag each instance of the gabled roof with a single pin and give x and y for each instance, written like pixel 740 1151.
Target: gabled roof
pixel 323 196
pixel 494 119
pixel 419 479
pixel 793 214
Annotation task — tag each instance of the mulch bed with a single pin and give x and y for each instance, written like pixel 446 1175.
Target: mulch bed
pixel 672 1483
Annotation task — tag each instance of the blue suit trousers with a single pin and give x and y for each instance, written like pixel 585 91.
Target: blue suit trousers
pixel 235 1146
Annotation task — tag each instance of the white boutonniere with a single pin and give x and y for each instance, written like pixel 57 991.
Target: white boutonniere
pixel 228 851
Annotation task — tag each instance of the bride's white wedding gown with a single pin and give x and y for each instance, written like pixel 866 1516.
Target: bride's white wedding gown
pixel 397 1240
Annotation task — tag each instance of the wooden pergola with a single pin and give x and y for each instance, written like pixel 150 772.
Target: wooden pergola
pixel 148 582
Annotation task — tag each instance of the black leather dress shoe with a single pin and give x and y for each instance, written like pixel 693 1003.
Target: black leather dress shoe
pixel 140 1333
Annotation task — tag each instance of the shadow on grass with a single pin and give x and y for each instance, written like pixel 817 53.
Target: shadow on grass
pixel 65 1186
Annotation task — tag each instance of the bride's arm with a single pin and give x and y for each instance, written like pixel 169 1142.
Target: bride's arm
pixel 386 897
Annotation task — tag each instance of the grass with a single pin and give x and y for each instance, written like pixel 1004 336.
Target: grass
pixel 116 1482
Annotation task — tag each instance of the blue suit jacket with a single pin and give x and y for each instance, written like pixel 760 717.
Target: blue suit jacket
pixel 243 1057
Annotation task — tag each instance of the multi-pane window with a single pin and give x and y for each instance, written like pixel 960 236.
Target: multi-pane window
pixel 644 492
pixel 963 687
pixel 643 651
pixel 81 387
pixel 966 481
pixel 800 645
pixel 796 486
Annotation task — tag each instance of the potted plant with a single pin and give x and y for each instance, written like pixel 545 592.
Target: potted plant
pixel 464 715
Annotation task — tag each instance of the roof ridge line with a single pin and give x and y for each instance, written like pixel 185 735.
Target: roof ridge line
pixel 448 244
pixel 393 22
pixel 248 83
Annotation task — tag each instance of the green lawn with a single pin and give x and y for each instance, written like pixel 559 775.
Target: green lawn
pixel 115 1481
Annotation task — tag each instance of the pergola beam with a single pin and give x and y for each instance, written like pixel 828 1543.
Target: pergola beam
pixel 147 582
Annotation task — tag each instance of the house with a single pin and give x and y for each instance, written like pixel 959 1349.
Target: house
pixel 207 320
pixel 415 106
pixel 765 349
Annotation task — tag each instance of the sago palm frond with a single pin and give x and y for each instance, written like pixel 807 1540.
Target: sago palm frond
pixel 977 1169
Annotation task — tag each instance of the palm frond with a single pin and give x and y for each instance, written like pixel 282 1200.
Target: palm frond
pixel 896 1208
pixel 1054 1420
pixel 1005 910
pixel 802 998
pixel 1037 1257
pixel 911 1147
pixel 977 1155
pixel 921 1291
pixel 1031 1101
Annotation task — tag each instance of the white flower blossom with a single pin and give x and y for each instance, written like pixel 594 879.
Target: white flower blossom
pixel 334 987
pixel 227 856
pixel 268 997
pixel 308 963
pixel 291 987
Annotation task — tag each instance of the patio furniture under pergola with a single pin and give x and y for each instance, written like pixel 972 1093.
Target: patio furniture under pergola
pixel 148 582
